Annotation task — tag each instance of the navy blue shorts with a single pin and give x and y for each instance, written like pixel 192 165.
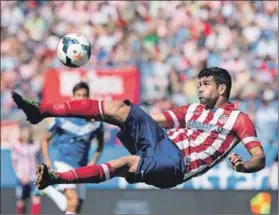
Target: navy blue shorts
pixel 161 161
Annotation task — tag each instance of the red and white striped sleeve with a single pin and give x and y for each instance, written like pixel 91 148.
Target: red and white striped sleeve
pixel 176 116
pixel 246 131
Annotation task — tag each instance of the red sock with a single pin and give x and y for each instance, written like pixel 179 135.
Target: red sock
pixel 20 209
pixel 36 208
pixel 87 174
pixel 84 108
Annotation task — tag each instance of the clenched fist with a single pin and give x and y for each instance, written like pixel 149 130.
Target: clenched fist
pixel 236 162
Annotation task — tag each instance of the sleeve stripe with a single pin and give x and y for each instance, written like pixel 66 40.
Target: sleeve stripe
pixel 249 139
pixel 175 120
pixel 101 108
pixel 251 145
pixel 106 171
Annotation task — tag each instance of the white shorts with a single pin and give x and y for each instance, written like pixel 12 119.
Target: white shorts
pixel 63 167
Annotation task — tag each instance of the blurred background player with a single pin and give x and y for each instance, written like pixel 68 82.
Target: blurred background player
pixel 73 138
pixel 25 158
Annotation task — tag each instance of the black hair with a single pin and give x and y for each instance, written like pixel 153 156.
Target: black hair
pixel 220 76
pixel 81 85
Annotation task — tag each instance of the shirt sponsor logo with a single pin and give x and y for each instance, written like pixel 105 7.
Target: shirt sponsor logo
pixel 205 127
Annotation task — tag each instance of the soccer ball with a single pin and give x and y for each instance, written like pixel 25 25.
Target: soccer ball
pixel 74 50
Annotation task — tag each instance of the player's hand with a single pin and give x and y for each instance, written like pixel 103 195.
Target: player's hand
pixel 48 163
pixel 236 162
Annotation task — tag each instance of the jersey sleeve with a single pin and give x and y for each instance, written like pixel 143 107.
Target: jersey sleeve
pixel 246 131
pixel 176 116
pixel 54 125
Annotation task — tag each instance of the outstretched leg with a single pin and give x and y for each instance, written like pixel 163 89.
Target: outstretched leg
pixel 90 174
pixel 113 112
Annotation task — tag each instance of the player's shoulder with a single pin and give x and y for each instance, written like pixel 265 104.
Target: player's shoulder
pixel 192 106
pixel 243 118
pixel 185 109
pixel 232 109
pixel 242 115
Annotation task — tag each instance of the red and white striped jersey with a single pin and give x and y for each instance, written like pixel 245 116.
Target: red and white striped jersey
pixel 206 136
pixel 25 158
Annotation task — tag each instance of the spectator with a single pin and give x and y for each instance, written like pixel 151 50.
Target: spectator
pixel 169 41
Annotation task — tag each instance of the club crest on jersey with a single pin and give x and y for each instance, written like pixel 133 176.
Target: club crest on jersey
pixel 223 119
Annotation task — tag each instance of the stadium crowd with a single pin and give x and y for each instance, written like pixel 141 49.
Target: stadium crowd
pixel 169 41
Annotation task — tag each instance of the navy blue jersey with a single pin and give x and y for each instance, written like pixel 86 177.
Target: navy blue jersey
pixel 73 137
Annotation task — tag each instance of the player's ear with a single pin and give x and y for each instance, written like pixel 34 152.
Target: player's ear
pixel 222 89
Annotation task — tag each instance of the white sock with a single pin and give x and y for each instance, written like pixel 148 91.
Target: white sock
pixel 69 212
pixel 59 198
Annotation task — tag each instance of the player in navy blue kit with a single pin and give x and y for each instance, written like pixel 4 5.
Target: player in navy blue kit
pixel 73 138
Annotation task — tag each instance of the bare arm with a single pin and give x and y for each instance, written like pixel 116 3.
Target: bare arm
pixel 44 147
pixel 100 139
pixel 254 164
pixel 257 161
pixel 247 134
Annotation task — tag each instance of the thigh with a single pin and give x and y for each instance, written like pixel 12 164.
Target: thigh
pixel 71 193
pixel 140 134
pixel 164 168
pixel 72 196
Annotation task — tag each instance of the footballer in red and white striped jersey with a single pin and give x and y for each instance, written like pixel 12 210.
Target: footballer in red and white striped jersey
pixel 200 136
pixel 206 136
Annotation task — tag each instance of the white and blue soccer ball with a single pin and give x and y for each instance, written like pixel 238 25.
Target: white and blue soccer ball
pixel 74 50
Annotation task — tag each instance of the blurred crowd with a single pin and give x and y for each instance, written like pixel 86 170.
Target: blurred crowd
pixel 169 41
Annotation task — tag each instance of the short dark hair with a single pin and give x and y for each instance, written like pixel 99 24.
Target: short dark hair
pixel 81 85
pixel 220 76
